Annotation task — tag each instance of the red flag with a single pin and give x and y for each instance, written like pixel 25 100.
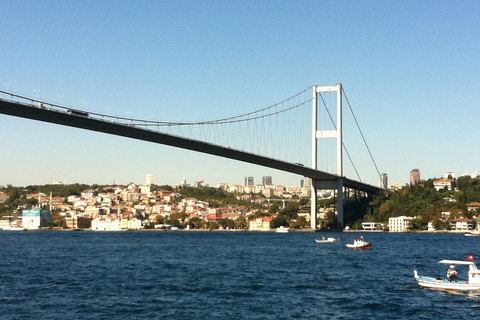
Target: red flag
pixel 470 257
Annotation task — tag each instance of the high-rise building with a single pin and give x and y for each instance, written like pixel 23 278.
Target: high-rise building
pixel 384 181
pixel 415 176
pixel 249 181
pixel 266 180
pixel 305 183
pixel 149 179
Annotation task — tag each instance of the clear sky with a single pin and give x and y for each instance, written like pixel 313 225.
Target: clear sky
pixel 411 70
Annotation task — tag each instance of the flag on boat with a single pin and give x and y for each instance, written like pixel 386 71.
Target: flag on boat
pixel 470 257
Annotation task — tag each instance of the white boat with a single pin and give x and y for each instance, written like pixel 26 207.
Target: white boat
pixel 359 244
pixel 326 240
pixel 473 283
pixel 9 228
pixel 282 229
pixel 472 234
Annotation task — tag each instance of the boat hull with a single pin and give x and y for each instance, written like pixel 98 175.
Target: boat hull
pixel 472 234
pixel 443 284
pixel 359 247
pixel 328 240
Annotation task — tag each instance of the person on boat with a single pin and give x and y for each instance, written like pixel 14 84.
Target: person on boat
pixel 452 273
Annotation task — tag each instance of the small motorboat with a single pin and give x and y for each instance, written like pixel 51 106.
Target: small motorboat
pixel 326 240
pixel 282 229
pixel 472 234
pixel 359 244
pixel 473 283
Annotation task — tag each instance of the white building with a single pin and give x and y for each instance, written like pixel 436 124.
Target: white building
pixel 260 224
pixel 461 224
pixel 372 226
pixel 36 218
pixel 444 183
pixel 131 224
pixel 399 224
pixel 108 223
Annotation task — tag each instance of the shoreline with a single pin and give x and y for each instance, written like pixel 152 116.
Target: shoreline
pixel 304 230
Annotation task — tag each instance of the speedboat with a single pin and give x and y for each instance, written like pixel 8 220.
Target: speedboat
pixel 282 229
pixel 472 234
pixel 359 244
pixel 10 228
pixel 326 240
pixel 472 284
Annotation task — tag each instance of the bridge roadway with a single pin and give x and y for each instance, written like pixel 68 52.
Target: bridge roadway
pixel 84 121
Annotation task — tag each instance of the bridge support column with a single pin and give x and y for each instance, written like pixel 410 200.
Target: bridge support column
pixel 313 204
pixel 340 219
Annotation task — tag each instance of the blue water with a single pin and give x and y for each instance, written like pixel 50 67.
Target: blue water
pixel 226 275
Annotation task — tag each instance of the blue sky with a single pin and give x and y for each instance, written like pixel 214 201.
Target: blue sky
pixel 410 70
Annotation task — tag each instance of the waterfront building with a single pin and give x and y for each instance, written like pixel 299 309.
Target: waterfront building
pixel 106 223
pixel 415 176
pixel 131 224
pixel 260 224
pixel 78 222
pixel 399 224
pixel 461 224
pixel 36 218
pixel 370 226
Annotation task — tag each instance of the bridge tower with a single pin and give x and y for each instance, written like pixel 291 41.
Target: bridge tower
pixel 336 184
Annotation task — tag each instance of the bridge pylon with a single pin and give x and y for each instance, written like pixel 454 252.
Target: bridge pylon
pixel 336 184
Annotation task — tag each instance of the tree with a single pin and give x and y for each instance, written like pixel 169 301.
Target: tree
pixel 212 225
pixel 280 220
pixel 196 222
pixel 418 224
pixel 241 222
pixel 274 207
pixel 299 222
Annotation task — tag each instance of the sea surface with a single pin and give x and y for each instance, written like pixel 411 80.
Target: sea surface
pixel 227 275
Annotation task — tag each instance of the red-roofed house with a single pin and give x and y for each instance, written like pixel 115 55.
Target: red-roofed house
pixel 473 206
pixel 461 224
pixel 260 224
pixel 444 183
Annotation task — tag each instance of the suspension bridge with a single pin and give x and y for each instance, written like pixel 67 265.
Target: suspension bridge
pixel 301 135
